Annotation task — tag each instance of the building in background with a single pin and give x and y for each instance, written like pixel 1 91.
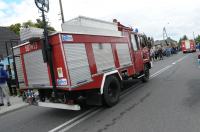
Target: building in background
pixel 170 42
pixel 6 57
pixel 6 35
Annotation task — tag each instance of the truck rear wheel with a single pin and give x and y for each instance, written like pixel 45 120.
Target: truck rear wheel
pixel 111 91
pixel 145 78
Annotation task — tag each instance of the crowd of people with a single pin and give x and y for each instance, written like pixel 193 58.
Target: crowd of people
pixel 157 52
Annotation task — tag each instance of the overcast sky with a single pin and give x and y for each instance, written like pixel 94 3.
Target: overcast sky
pixel 149 16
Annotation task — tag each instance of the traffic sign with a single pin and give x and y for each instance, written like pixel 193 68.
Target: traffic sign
pixel 43 5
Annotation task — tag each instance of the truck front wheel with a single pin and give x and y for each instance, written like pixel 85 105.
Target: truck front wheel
pixel 111 91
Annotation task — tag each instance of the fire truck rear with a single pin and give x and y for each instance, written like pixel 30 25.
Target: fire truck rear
pixel 90 59
pixel 188 46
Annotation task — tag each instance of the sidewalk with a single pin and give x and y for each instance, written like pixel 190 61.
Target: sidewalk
pixel 16 103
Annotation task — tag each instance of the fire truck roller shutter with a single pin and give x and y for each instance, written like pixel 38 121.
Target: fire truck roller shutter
pixel 36 69
pixel 18 63
pixel 16 51
pixel 77 62
pixel 103 56
pixel 123 54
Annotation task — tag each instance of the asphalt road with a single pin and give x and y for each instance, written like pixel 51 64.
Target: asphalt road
pixel 169 102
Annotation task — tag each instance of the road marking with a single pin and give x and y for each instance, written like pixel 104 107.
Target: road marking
pixel 72 120
pixel 160 71
pixel 79 121
pixel 167 67
pixel 89 113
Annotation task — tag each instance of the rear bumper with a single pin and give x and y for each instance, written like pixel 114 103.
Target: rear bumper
pixel 189 51
pixel 59 106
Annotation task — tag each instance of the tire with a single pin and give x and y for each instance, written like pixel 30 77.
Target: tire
pixel 145 78
pixel 111 91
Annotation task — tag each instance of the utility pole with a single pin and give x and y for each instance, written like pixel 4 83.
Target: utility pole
pixel 43 5
pixel 164 33
pixel 165 36
pixel 61 11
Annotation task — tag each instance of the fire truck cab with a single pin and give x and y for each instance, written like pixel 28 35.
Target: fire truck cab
pixel 90 58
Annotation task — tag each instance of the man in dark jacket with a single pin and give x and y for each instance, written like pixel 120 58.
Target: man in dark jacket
pixel 3 86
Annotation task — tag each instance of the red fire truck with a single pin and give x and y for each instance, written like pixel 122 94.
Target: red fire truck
pixel 188 46
pixel 90 58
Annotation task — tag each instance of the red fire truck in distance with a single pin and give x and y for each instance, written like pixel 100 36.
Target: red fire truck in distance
pixel 188 46
pixel 90 58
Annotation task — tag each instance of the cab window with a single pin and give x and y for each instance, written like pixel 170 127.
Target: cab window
pixel 134 42
pixel 139 41
pixel 142 42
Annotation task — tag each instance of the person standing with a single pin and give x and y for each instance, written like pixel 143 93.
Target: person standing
pixel 152 54
pixel 160 52
pixel 3 86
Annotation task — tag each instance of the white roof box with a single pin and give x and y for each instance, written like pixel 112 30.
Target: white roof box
pixel 30 33
pixel 85 25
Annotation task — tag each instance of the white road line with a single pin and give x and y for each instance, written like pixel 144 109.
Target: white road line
pixel 160 71
pixel 72 120
pixel 79 121
pixel 167 67
pixel 80 118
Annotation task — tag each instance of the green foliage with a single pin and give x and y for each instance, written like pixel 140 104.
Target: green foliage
pixel 184 37
pixel 39 24
pixel 197 39
pixel 29 23
pixel 15 28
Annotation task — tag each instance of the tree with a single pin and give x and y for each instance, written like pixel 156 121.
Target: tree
pixel 29 23
pixel 39 24
pixel 182 38
pixel 15 28
pixel 185 37
pixel 197 39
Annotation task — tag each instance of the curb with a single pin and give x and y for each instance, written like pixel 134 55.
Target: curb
pixel 12 110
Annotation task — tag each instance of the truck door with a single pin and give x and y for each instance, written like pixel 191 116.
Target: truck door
pixel 137 53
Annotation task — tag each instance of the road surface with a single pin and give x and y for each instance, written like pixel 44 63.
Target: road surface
pixel 169 102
